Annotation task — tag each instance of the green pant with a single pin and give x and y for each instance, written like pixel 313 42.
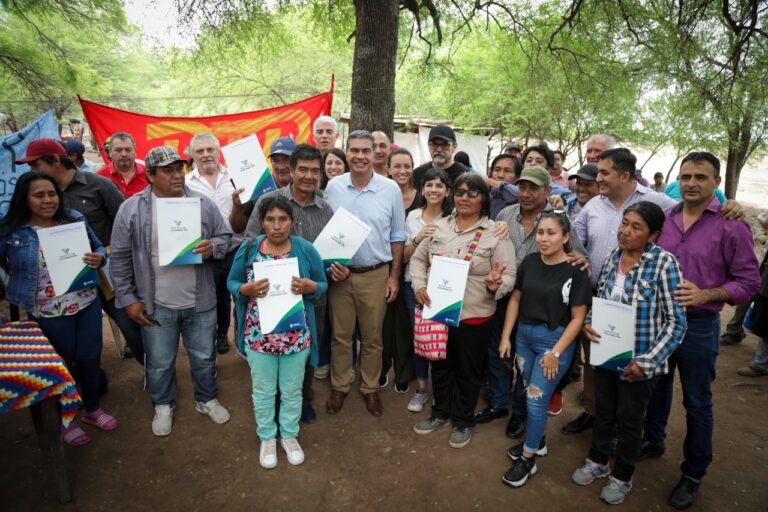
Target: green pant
pixel 735 327
pixel 267 373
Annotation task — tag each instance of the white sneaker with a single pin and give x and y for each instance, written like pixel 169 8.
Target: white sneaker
pixel 322 372
pixel 268 454
pixel 214 410
pixel 292 450
pixel 418 401
pixel 162 423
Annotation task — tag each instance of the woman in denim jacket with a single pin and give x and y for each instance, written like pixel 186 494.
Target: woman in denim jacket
pixel 71 322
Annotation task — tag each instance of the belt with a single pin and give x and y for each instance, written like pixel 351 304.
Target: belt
pixel 362 270
pixel 700 314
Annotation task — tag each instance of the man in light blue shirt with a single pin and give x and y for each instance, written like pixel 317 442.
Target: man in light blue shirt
pixel 597 227
pixel 360 292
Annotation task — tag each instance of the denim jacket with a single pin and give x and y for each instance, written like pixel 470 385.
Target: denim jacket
pixel 20 247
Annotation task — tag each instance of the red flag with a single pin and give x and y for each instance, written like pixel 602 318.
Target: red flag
pixel 294 119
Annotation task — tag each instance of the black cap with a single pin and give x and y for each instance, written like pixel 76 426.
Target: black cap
pixel 586 172
pixel 442 131
pixel 511 146
pixel 660 175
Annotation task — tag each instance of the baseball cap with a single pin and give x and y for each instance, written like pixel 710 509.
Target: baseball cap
pixel 511 146
pixel 282 146
pixel 74 146
pixel 39 148
pixel 442 131
pixel 162 156
pixel 536 175
pixel 587 172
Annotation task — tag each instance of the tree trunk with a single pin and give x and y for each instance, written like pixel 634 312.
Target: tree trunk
pixel 373 69
pixel 738 150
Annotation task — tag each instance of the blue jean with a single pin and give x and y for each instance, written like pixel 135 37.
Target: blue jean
pixel 78 340
pixel 221 270
pixel 760 363
pixel 420 364
pixel 695 361
pixel 532 342
pixel 268 372
pixel 498 373
pixel 161 343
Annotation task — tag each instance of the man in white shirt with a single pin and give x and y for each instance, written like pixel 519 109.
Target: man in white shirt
pixel 211 179
pixel 325 133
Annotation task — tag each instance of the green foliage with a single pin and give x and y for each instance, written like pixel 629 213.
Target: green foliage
pixel 47 52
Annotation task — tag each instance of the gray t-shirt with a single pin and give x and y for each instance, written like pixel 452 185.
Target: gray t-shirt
pixel 175 285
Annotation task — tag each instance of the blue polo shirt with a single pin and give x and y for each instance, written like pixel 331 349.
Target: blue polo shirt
pixel 380 205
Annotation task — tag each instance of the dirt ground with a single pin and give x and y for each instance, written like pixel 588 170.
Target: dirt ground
pixel 357 462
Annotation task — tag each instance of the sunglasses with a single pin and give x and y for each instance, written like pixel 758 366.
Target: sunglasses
pixel 459 192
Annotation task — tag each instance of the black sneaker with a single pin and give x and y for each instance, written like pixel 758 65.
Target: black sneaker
pixel 650 449
pixel 522 469
pixel 684 493
pixel 580 424
pixel 732 339
pixel 222 343
pixel 384 380
pixel 516 451
pixel 401 388
pixel 515 427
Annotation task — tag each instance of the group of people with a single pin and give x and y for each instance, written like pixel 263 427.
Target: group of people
pixel 540 245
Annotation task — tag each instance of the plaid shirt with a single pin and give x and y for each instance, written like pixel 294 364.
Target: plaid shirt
pixel 660 323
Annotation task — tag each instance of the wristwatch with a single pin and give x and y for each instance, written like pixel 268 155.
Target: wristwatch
pixel 555 353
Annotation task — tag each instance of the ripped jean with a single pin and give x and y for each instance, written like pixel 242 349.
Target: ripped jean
pixel 532 342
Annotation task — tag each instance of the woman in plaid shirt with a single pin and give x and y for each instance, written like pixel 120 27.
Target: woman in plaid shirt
pixel 641 273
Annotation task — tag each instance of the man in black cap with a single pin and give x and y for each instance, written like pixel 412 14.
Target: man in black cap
pixel 75 151
pixel 586 189
pixel 442 145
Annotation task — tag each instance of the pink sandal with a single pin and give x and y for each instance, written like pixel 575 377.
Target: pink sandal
pixel 73 435
pixel 99 418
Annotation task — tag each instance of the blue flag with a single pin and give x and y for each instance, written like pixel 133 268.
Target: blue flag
pixel 14 146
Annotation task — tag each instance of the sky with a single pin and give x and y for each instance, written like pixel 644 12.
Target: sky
pixel 158 20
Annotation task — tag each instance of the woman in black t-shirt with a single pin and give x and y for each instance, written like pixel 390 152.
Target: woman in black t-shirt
pixel 550 300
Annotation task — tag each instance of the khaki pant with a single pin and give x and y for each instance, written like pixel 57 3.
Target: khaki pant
pixel 360 297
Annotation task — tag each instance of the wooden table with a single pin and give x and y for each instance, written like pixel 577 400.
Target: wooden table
pixel 33 375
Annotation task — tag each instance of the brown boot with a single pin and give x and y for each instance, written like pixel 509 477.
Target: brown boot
pixel 373 403
pixel 335 402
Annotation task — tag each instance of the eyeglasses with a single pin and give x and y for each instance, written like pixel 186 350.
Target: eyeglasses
pixel 459 192
pixel 443 144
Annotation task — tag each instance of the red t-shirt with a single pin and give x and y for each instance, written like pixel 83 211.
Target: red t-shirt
pixel 136 185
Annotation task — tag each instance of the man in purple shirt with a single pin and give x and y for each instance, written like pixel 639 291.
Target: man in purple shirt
pixel 718 261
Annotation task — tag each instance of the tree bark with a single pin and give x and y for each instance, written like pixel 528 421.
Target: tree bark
pixel 373 69
pixel 738 149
